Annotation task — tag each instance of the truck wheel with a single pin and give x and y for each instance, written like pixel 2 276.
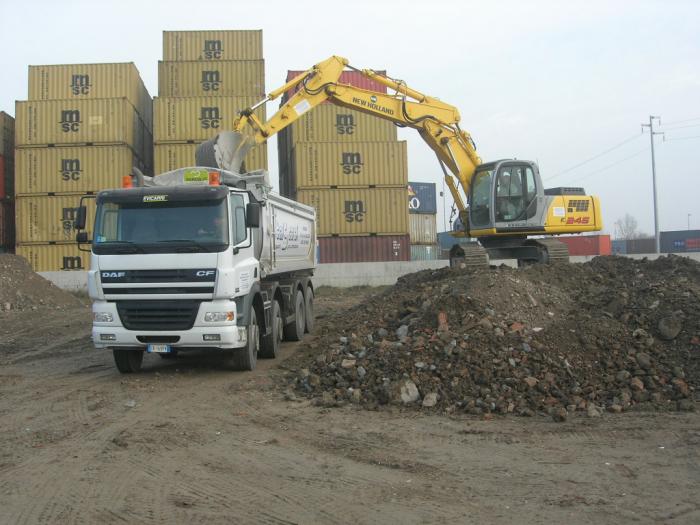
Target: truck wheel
pixel 294 331
pixel 245 358
pixel 271 342
pixel 309 309
pixel 127 361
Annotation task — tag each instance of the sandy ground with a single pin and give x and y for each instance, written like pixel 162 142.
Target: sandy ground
pixel 187 441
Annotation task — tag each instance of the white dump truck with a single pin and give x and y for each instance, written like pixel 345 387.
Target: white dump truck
pixel 199 258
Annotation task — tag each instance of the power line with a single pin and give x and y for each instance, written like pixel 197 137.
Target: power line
pixel 611 165
pixel 594 157
pixel 681 127
pixel 684 138
pixel 681 121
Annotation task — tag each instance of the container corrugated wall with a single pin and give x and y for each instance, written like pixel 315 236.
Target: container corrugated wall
pixel 212 45
pixel 7 225
pixel 425 252
pixel 181 119
pixel 331 123
pixel 221 78
pixel 587 244
pixel 172 156
pixel 422 197
pixel 91 81
pixel 422 228
pixel 680 241
pixel 647 245
pixel 54 257
pixel 67 122
pixel 7 134
pixel 619 247
pixel 42 218
pixel 363 249
pixel 354 164
pixel 73 170
pixel 359 211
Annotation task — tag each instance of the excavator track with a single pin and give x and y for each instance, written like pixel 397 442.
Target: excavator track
pixel 475 256
pixel 553 251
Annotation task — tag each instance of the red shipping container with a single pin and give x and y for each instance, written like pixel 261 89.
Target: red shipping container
pixel 346 77
pixel 364 249
pixel 588 244
pixel 7 226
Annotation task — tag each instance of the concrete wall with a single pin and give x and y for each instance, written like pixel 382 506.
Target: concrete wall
pixel 345 275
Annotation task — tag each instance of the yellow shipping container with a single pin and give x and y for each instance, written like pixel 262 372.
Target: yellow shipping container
pixel 331 123
pixel 7 135
pixel 351 164
pixel 92 121
pixel 360 211
pixel 54 257
pixel 72 170
pixel 47 218
pixel 172 156
pixel 199 79
pixel 212 45
pixel 88 81
pixel 181 119
pixel 422 228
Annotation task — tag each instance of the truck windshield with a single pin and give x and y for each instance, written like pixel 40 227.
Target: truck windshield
pixel 165 227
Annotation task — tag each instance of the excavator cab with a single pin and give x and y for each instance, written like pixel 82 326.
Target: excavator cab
pixel 506 196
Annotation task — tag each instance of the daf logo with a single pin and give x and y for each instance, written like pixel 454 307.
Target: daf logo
pixel 373 99
pixel 204 273
pixel 113 275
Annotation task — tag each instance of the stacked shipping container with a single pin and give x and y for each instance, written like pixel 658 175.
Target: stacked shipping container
pixel 204 80
pixel 422 221
pixel 83 128
pixel 353 170
pixel 7 176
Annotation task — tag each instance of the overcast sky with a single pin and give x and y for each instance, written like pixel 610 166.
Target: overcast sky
pixel 558 82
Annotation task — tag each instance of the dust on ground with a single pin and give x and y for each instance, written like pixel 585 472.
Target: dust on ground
pixel 189 441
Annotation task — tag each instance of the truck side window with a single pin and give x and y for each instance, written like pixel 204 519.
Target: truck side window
pixel 530 184
pixel 238 217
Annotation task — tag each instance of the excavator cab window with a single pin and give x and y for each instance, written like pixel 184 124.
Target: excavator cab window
pixel 480 202
pixel 516 193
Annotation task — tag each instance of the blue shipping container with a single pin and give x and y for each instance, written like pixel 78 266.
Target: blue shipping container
pixel 619 247
pixel 680 241
pixel 422 197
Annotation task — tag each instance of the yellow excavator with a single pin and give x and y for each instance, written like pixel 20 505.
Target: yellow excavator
pixel 503 203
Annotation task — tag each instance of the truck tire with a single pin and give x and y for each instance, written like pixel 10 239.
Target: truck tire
pixel 269 348
pixel 309 309
pixel 246 358
pixel 294 331
pixel 128 361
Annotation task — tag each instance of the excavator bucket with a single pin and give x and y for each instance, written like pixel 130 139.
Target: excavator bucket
pixel 225 151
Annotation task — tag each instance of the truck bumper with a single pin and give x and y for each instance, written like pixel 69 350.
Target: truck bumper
pixel 224 335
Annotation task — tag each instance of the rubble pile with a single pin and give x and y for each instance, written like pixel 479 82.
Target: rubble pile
pixel 23 289
pixel 613 335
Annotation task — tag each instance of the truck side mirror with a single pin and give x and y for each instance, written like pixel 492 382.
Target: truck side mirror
pixel 81 237
pixel 252 215
pixel 80 218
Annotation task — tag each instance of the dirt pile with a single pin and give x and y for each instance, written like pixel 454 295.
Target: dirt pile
pixel 614 334
pixel 22 289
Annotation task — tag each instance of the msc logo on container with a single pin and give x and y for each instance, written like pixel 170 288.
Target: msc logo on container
pixel 351 163
pixel 80 84
pixel 70 169
pixel 211 80
pixel 345 124
pixel 68 216
pixel 354 211
pixel 70 120
pixel 210 118
pixel 212 49
pixel 72 263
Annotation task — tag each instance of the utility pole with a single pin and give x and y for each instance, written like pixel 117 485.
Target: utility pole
pixel 689 221
pixel 653 177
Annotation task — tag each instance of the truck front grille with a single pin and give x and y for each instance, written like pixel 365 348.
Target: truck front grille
pixel 158 315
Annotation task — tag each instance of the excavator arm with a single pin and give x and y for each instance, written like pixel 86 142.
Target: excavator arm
pixel 436 122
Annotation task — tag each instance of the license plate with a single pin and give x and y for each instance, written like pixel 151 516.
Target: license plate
pixel 158 349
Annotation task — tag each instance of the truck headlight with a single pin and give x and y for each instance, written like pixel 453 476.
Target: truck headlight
pixel 102 317
pixel 218 317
